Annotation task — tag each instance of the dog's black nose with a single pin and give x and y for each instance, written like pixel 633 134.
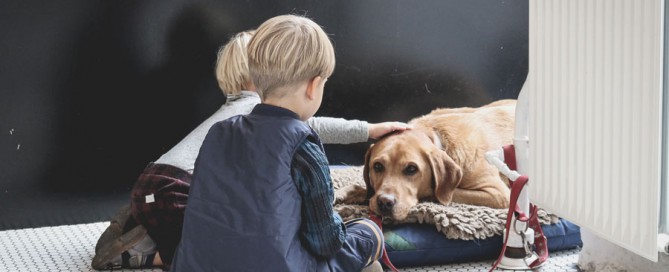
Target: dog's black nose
pixel 386 203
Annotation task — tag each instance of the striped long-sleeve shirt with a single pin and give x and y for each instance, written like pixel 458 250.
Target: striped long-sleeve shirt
pixel 322 229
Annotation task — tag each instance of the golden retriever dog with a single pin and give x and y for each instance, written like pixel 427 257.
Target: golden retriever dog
pixel 441 159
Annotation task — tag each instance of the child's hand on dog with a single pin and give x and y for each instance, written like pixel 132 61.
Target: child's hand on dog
pixel 376 131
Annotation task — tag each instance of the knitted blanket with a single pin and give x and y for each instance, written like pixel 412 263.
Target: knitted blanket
pixel 455 220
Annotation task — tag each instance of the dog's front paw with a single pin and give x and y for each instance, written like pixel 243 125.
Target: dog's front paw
pixel 339 197
pixel 350 194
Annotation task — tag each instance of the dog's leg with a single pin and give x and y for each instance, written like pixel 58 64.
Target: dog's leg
pixel 489 197
pixel 350 194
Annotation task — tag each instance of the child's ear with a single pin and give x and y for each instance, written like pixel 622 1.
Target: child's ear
pixel 312 86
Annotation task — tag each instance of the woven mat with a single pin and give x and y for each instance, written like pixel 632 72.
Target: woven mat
pixel 455 220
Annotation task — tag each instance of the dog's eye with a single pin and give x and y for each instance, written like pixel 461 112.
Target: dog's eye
pixel 410 170
pixel 378 167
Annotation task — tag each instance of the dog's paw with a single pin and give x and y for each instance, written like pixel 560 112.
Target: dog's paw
pixel 350 194
pixel 339 197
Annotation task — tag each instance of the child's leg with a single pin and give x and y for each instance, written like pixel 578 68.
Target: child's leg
pixel 363 246
pixel 158 203
pixel 122 235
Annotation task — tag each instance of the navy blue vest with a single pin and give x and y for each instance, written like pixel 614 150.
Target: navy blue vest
pixel 244 208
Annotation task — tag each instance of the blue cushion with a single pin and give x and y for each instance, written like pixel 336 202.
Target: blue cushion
pixel 422 244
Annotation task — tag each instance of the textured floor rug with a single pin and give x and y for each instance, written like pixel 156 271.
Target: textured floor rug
pixel 71 248
pixel 455 220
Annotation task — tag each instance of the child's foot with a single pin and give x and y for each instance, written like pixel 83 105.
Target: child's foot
pixel 133 249
pixel 140 255
pixel 115 249
pixel 115 228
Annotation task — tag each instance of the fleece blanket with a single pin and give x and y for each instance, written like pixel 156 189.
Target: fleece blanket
pixel 455 220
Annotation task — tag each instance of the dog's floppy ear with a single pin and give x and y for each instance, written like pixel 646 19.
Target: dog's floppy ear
pixel 447 175
pixel 365 173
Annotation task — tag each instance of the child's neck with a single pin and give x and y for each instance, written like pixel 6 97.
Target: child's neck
pixel 293 100
pixel 289 104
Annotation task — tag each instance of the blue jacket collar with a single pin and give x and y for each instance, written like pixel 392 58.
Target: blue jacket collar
pixel 270 110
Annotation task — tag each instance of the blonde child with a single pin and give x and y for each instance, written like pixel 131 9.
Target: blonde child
pixel 147 232
pixel 261 197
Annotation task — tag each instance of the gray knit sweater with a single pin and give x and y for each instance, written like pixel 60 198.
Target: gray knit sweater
pixel 330 130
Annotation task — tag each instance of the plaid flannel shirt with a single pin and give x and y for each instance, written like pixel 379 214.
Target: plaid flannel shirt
pixel 322 228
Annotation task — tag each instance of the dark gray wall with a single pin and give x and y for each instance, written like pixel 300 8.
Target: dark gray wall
pixel 91 91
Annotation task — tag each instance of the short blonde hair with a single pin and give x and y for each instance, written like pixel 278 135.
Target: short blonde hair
pixel 232 69
pixel 287 50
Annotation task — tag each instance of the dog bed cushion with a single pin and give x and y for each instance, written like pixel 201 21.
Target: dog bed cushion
pixel 439 234
pixel 419 244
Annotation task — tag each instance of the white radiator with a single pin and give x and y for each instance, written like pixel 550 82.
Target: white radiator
pixel 595 82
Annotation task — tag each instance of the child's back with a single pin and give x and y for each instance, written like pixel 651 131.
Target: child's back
pixel 251 215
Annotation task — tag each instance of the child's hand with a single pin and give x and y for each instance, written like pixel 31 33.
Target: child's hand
pixel 376 131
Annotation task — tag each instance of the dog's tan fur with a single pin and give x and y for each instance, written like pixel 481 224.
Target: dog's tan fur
pixel 442 159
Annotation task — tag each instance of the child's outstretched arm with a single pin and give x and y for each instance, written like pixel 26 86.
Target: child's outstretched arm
pixel 342 131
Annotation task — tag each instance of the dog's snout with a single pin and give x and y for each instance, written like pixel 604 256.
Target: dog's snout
pixel 386 203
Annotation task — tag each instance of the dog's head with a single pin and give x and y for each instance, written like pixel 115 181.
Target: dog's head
pixel 404 168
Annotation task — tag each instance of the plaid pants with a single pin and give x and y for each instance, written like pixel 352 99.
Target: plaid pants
pixel 158 202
